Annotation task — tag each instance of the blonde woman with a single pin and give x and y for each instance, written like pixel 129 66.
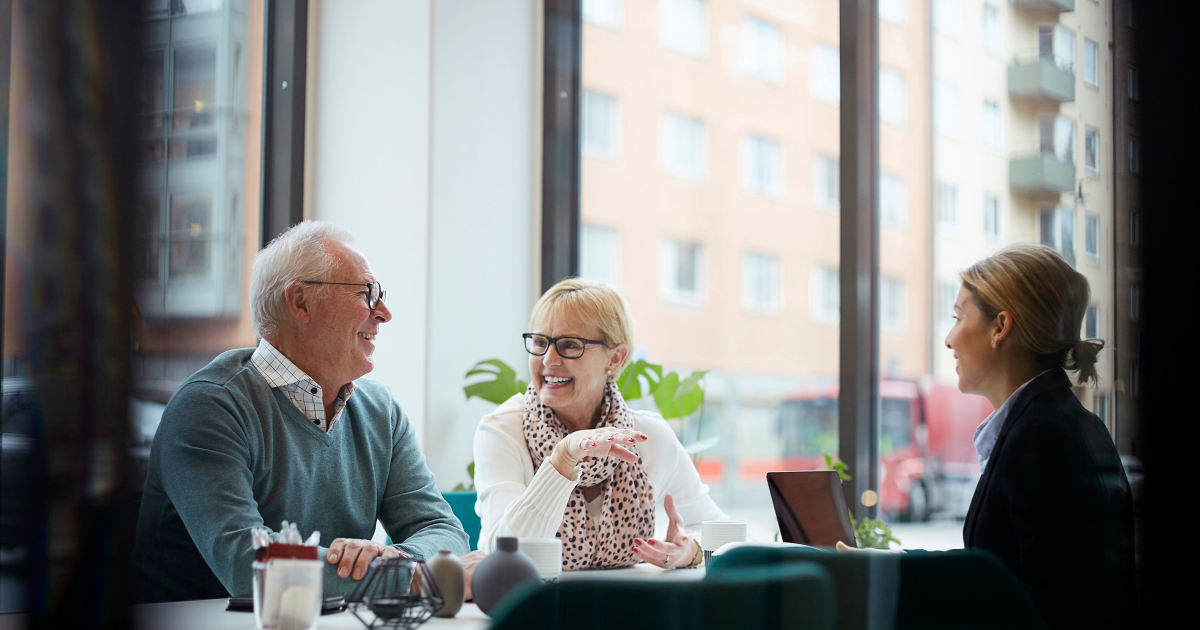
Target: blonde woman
pixel 569 458
pixel 1053 502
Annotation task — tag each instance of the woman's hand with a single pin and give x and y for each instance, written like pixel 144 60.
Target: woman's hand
pixel 677 550
pixel 469 562
pixel 603 442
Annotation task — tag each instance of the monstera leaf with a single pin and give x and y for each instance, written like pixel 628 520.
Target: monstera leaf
pixel 500 388
pixel 677 399
pixel 631 379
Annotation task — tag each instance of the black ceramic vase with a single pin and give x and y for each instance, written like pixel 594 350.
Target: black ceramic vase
pixel 502 571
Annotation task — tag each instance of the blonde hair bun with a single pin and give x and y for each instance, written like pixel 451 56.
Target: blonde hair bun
pixel 1047 299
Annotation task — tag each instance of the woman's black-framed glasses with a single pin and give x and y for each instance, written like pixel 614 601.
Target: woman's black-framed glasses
pixel 567 347
pixel 375 292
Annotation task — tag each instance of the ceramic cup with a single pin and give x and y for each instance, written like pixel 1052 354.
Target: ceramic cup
pixel 546 553
pixel 717 534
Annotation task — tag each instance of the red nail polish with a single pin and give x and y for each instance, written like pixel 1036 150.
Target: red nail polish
pixel 610 438
pixel 651 542
pixel 593 443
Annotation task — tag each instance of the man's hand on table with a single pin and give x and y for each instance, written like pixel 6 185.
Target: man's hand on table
pixel 354 555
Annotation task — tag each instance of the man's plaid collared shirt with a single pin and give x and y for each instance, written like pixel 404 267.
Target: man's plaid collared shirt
pixel 297 386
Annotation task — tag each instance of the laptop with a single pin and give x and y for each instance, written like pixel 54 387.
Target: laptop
pixel 810 508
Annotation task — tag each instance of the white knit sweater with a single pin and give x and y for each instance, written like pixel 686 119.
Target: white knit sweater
pixel 514 500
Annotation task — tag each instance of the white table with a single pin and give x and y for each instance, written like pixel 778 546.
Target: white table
pixel 211 614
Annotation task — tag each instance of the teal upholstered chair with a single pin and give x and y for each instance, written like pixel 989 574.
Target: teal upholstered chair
pixel 916 590
pixel 866 585
pixel 462 503
pixel 792 597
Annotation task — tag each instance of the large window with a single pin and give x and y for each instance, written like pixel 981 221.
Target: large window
pixel 193 146
pixel 600 254
pixel 746 129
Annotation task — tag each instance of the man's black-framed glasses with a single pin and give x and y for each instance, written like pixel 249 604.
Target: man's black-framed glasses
pixel 567 347
pixel 375 292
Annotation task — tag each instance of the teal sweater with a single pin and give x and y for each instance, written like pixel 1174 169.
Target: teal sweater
pixel 232 454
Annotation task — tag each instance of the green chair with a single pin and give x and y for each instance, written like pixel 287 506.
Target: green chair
pixel 866 585
pixel 462 503
pixel 793 597
pixel 961 589
pixel 916 590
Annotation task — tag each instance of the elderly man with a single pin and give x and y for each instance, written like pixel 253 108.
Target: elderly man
pixel 289 430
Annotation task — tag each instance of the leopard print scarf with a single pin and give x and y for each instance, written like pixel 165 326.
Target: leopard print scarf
pixel 628 499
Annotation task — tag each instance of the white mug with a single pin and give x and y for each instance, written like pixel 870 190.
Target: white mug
pixel 717 534
pixel 546 553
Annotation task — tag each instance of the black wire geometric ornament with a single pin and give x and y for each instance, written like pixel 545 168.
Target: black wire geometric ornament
pixel 398 593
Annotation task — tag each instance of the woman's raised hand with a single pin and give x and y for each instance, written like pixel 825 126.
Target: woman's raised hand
pixel 676 550
pixel 602 442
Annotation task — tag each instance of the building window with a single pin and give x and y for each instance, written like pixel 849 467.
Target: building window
pixel 1056 227
pixel 682 272
pixel 762 166
pixel 600 254
pixel 1091 149
pixel 945 17
pixel 947 294
pixel 682 146
pixel 606 13
pixel 991 218
pixel 1135 227
pixel 892 304
pixel 1135 301
pixel 1091 62
pixel 825 74
pixel 1091 322
pixel 1056 42
pixel 683 26
pixel 188 228
pixel 1135 162
pixel 761 283
pixel 893 198
pixel 1091 237
pixel 762 50
pixel 1100 404
pixel 1131 80
pixel 892 11
pixel 892 97
pixel 992 34
pixel 993 131
pixel 945 108
pixel 947 208
pixel 826 295
pixel 825 183
pixel 1056 136
pixel 601 124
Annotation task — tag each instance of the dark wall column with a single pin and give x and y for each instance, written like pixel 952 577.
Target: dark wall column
pixel 76 135
pixel 561 93
pixel 858 399
pixel 286 42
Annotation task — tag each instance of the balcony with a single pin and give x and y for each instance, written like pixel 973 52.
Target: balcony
pixel 1043 174
pixel 1041 79
pixel 1045 6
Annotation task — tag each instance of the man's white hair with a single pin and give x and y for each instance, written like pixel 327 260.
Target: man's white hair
pixel 296 255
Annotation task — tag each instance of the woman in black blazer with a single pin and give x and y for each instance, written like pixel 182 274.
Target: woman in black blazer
pixel 1053 502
